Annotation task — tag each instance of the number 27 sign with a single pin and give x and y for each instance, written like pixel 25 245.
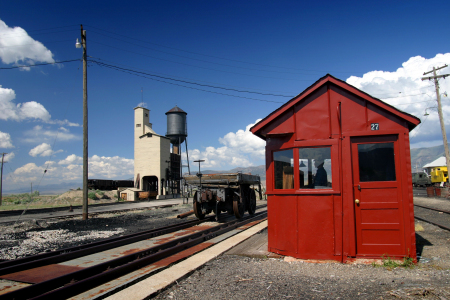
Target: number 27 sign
pixel 375 126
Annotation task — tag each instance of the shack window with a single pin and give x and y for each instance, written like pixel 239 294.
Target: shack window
pixel 315 168
pixel 376 162
pixel 284 170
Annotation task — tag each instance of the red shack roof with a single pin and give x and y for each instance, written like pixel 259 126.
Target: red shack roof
pixel 413 121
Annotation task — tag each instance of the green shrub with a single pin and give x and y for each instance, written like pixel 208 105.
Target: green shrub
pixel 388 263
pixel 92 195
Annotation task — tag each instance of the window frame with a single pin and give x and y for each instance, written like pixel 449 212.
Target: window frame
pixel 333 144
pixel 293 166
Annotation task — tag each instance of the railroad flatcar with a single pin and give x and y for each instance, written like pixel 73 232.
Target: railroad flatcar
pixel 232 193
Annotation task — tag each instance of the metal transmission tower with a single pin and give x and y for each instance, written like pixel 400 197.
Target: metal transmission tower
pixel 441 118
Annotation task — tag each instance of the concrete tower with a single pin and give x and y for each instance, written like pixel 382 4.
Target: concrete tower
pixel 151 151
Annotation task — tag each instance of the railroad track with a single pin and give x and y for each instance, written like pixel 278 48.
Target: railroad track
pixel 41 269
pixel 76 215
pixel 438 220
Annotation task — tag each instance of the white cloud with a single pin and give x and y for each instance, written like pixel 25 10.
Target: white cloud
pixel 142 104
pixel 70 169
pixel 64 122
pixel 40 134
pixel 21 111
pixel 28 110
pixel 5 140
pixel 110 167
pixel 16 46
pixel 9 157
pixel 43 149
pixel 405 90
pixel 71 159
pixel 240 149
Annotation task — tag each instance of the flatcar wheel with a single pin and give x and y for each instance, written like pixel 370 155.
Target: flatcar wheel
pixel 252 203
pixel 198 208
pixel 238 209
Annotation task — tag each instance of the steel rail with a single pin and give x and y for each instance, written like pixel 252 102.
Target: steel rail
pixel 435 209
pixel 91 214
pixel 65 254
pixel 34 261
pixel 433 223
pixel 77 282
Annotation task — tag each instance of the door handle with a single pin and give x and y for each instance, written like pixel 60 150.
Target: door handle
pixel 357 201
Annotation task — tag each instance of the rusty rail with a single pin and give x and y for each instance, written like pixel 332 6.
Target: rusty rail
pixel 66 254
pixel 77 282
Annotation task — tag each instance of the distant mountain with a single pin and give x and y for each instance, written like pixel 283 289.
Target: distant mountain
pixel 419 158
pixel 423 156
pixel 49 189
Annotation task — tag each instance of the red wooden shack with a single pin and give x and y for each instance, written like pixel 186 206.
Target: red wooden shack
pixel 338 175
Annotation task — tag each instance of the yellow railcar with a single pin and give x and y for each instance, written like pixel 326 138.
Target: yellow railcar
pixel 439 174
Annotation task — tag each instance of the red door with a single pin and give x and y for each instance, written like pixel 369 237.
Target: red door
pixel 377 196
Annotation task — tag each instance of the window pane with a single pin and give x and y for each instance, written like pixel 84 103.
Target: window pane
pixel 376 162
pixel 284 171
pixel 315 168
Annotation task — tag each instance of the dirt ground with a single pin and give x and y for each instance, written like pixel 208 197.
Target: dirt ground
pixel 72 197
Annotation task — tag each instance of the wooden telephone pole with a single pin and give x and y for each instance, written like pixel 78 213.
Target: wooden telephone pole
pixel 85 124
pixel 441 118
pixel 1 177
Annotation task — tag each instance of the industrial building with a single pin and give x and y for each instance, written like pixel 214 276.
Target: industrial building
pixel 157 169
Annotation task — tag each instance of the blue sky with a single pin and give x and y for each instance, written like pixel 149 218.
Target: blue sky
pixel 263 47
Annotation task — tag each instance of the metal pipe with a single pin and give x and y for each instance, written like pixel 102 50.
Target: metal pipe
pixel 186 214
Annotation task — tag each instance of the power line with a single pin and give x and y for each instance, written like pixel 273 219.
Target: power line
pixel 189 65
pixel 11 36
pixel 42 64
pixel 51 28
pixel 197 80
pixel 189 87
pixel 202 54
pixel 414 102
pixel 20 45
pixel 188 82
pixel 210 62
pixel 410 95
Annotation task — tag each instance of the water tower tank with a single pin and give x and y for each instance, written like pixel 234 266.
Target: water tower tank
pixel 176 125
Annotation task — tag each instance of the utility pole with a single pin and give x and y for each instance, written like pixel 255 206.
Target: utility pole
pixel 1 178
pixel 441 118
pixel 85 124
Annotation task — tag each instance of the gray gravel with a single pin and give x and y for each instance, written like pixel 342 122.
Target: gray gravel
pixel 33 237
pixel 237 277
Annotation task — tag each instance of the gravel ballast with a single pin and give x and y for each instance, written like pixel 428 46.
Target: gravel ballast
pixel 240 277
pixel 33 237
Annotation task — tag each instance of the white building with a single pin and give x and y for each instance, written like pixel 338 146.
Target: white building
pixel 151 151
pixel 440 162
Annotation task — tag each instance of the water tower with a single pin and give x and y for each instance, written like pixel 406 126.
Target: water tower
pixel 177 133
pixel 176 128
